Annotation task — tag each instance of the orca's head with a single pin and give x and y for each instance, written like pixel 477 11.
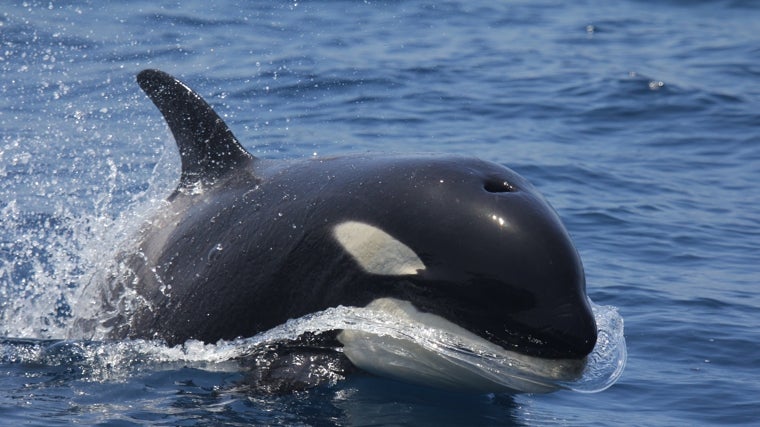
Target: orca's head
pixel 474 243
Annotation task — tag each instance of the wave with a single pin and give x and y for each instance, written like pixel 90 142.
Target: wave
pixel 119 360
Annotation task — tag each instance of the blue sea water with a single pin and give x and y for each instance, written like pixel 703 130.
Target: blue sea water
pixel 638 120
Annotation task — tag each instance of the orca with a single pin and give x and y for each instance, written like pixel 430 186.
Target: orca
pixel 244 244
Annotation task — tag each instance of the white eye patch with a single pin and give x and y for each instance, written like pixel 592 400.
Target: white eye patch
pixel 376 251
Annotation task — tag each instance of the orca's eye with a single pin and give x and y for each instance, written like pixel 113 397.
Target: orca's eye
pixel 498 186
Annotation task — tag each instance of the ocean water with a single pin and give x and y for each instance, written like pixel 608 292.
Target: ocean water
pixel 639 121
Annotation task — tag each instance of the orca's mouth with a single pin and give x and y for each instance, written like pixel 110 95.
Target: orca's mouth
pixel 571 342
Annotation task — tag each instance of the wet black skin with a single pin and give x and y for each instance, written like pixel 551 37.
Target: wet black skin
pixel 256 246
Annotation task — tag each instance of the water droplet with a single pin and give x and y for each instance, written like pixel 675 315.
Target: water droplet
pixel 214 253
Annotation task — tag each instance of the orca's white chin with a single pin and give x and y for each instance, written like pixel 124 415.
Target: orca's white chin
pixel 441 354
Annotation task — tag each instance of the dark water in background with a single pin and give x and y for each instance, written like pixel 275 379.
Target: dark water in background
pixel 639 121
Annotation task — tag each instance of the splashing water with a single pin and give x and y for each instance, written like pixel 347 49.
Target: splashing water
pixel 607 361
pixel 49 250
pixel 113 361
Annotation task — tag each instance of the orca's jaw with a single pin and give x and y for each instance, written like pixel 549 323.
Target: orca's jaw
pixel 441 354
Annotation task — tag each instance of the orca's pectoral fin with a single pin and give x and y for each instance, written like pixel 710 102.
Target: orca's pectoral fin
pixel 207 147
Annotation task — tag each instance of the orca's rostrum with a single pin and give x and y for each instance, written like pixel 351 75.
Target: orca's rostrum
pixel 245 244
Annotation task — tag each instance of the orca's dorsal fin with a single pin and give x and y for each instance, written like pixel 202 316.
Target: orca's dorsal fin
pixel 207 147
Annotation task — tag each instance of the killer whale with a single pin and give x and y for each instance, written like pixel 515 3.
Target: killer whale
pixel 243 244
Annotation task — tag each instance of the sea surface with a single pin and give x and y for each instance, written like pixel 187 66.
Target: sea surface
pixel 638 120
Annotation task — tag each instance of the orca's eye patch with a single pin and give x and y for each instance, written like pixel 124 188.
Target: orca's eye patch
pixel 376 251
pixel 496 185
